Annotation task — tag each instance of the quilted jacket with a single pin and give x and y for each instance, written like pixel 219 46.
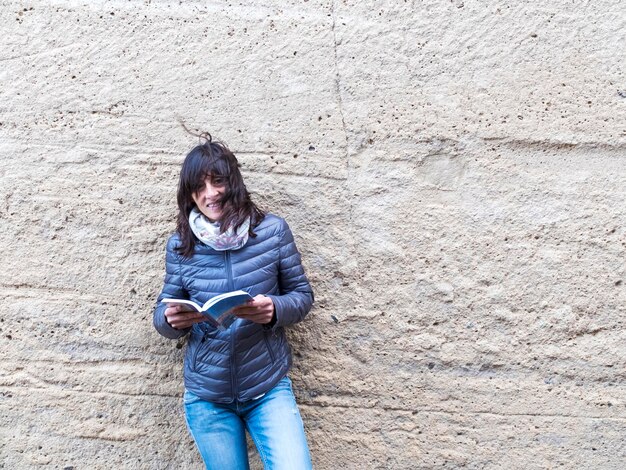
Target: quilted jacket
pixel 247 359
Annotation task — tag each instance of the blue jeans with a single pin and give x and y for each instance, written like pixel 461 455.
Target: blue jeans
pixel 273 421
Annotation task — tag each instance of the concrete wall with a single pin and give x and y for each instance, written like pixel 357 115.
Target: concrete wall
pixel 454 172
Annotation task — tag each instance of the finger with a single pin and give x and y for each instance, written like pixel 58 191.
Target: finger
pixel 194 318
pixel 180 317
pixel 186 323
pixel 252 315
pixel 262 301
pixel 177 309
pixel 191 314
pixel 181 326
pixel 256 314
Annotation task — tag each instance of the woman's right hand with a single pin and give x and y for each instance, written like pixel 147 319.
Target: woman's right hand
pixel 179 318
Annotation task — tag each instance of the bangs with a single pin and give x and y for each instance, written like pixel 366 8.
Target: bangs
pixel 201 165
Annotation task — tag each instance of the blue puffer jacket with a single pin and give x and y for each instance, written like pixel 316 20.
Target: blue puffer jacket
pixel 247 359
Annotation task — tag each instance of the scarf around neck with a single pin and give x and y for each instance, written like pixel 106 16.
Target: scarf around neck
pixel 209 232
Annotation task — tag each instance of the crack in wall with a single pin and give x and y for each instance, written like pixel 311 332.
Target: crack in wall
pixel 460 413
pixel 340 102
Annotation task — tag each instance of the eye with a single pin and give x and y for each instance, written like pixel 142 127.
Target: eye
pixel 218 181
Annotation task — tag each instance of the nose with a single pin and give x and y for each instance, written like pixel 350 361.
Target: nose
pixel 210 192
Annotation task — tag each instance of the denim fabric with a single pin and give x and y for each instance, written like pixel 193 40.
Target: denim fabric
pixel 273 421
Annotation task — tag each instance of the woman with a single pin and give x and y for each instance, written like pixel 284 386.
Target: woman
pixel 235 379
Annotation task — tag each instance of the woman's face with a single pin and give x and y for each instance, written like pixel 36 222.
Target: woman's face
pixel 206 198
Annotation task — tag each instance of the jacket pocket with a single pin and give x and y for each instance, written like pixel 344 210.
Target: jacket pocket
pixel 194 352
pixel 269 346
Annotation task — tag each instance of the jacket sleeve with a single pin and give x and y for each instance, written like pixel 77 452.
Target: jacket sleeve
pixel 172 288
pixel 296 296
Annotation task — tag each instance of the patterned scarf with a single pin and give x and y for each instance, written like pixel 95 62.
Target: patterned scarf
pixel 209 232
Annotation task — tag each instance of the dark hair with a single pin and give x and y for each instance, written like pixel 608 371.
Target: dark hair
pixel 213 160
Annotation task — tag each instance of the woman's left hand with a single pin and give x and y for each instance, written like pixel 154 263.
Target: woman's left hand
pixel 258 310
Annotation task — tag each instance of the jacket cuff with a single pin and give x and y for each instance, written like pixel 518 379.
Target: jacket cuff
pixel 164 328
pixel 270 325
pixel 278 318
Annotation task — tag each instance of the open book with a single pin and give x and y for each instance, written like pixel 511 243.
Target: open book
pixel 216 309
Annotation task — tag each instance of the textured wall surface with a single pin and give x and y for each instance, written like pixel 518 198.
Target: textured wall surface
pixel 454 173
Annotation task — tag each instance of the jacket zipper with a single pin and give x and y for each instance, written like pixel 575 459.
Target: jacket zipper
pixel 229 273
pixel 267 345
